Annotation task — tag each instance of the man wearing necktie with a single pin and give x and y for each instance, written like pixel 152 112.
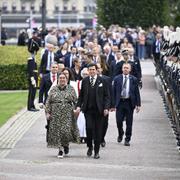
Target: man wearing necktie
pixel 156 51
pixel 47 60
pixel 94 101
pixel 156 48
pixel 68 61
pixel 46 82
pixel 126 98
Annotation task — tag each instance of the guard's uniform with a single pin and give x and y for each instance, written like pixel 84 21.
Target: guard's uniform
pixel 32 81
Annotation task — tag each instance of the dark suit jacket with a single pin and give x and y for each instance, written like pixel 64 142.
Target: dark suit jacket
pixel 133 91
pixel 135 69
pixel 137 65
pixel 43 64
pixel 109 85
pixel 155 46
pixel 44 61
pixel 110 59
pixel 114 69
pixel 102 95
pixel 67 61
pixel 81 43
pixel 32 69
pixel 44 88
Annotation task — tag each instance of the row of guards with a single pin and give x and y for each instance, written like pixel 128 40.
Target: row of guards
pixel 168 71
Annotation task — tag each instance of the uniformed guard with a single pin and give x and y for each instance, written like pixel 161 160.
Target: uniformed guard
pixel 33 47
pixel 32 82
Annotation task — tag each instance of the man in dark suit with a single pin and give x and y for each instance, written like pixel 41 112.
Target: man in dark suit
pixel 68 61
pixel 32 81
pixel 109 56
pixel 46 82
pixel 137 65
pixel 135 71
pixel 48 58
pixel 78 41
pixel 94 101
pixel 126 98
pixel 156 52
pixel 116 64
pixel 156 48
pixel 105 118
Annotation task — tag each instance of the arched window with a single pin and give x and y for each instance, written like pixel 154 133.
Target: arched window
pixel 4 7
pixel 73 7
pixel 85 8
pixel 32 7
pixel 56 8
pixel 65 8
pixel 23 8
pixel 14 7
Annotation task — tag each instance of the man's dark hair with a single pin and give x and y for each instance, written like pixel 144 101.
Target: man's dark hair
pixel 91 65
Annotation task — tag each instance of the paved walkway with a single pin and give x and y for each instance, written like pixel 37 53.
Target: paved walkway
pixel 152 154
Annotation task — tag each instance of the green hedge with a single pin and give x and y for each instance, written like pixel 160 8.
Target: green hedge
pixel 13 67
pixel 13 55
pixel 13 76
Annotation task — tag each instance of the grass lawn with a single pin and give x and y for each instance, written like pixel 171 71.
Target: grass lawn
pixel 10 103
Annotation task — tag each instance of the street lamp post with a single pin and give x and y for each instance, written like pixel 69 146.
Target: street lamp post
pixel 0 24
pixel 43 15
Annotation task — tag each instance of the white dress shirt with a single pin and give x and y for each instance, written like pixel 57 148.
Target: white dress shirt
pixel 50 60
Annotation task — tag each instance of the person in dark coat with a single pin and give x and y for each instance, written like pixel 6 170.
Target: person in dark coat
pixel 94 101
pixel 46 82
pixel 22 38
pixel 32 82
pixel 137 65
pixel 126 98
pixel 33 47
pixel 48 58
pixel 105 118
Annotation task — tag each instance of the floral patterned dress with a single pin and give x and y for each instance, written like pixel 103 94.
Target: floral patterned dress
pixel 62 126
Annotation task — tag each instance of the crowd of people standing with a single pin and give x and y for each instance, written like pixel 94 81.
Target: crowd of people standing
pixel 89 74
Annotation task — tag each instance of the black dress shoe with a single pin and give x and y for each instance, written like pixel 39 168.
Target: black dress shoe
pixel 96 156
pixel 103 144
pixel 33 109
pixel 60 154
pixel 89 152
pixel 126 143
pixel 119 139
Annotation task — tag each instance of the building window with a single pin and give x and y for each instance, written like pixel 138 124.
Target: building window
pixel 56 8
pixel 90 8
pixel 4 7
pixel 94 8
pixel 85 8
pixel 23 8
pixel 65 8
pixel 32 7
pixel 73 7
pixel 13 7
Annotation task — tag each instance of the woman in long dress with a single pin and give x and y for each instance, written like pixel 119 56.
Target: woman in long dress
pixel 59 111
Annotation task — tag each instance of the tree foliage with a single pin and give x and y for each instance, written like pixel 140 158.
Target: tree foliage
pixel 143 13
